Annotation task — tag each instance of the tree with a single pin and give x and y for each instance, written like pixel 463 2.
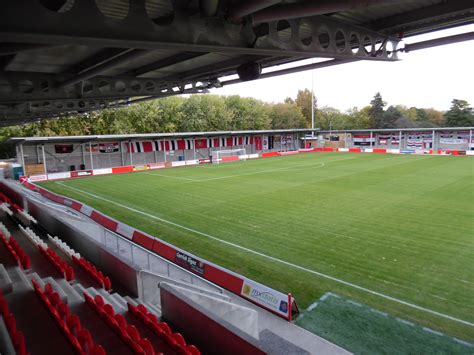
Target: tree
pixel 376 111
pixel 390 117
pixel 285 116
pixel 303 101
pixel 459 115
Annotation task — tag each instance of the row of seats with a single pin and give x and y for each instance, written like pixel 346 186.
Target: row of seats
pixel 16 252
pixel 127 332
pixel 16 336
pixel 4 198
pixel 79 337
pixel 23 258
pixel 26 215
pixel 162 330
pixel 4 230
pixel 60 265
pixel 33 237
pixel 63 247
pixel 92 271
pixel 5 207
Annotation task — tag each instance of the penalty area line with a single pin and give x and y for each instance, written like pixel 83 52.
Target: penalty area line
pixel 295 266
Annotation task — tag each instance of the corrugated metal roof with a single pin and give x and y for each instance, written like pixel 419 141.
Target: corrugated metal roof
pixel 153 135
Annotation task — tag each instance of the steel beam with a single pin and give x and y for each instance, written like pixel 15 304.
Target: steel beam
pixel 463 37
pixel 26 86
pixel 243 8
pixel 97 59
pixel 108 65
pixel 313 8
pixel 162 63
pixel 27 21
pixel 444 10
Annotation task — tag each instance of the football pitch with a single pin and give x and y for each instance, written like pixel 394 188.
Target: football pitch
pixel 395 232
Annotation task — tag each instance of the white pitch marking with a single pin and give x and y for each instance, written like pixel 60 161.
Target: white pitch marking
pixel 295 167
pixel 171 177
pixel 332 278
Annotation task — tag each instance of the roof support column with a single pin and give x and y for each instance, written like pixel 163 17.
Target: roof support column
pixel 371 135
pixel 90 155
pixel 130 152
pixel 22 156
pixel 400 140
pixel 433 136
pixel 45 168
pixel 469 144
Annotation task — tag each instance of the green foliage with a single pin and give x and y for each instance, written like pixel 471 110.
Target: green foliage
pixel 286 116
pixel 376 112
pixel 303 101
pixel 460 114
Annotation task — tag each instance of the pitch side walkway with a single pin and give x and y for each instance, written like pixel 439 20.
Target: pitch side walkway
pixel 277 336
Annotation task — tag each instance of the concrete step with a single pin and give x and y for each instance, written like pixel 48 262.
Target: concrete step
pixel 156 310
pixel 119 299
pixel 118 307
pixel 72 295
pixel 57 288
pixel 19 278
pixel 6 283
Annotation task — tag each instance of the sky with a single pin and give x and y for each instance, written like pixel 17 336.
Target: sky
pixel 428 78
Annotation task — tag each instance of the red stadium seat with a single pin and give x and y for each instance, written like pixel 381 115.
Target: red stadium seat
pixel 85 339
pixel 99 300
pixel 107 283
pixel 48 289
pixel 179 339
pixel 133 333
pixel 146 346
pixel 109 310
pixel 121 321
pixel 63 311
pixel 55 299
pixel 97 350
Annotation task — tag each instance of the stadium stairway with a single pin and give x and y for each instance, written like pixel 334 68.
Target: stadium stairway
pixel 41 332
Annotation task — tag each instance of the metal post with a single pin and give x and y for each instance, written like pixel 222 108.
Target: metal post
pixel 22 158
pixel 44 159
pixel 312 102
pixel 370 139
pixel 194 148
pixel 90 155
pixel 164 149
pixel 83 154
pixel 121 154
pixel 130 152
pixel 400 140
pixel 433 141
pixel 469 144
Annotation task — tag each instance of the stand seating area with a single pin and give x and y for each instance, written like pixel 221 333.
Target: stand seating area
pixel 55 301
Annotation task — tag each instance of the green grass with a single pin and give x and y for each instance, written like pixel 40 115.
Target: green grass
pixel 363 330
pixel 399 225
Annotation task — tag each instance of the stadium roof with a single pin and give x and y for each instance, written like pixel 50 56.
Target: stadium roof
pixel 381 130
pixel 59 57
pixel 58 139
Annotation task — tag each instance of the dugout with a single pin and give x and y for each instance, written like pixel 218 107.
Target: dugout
pixel 46 155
